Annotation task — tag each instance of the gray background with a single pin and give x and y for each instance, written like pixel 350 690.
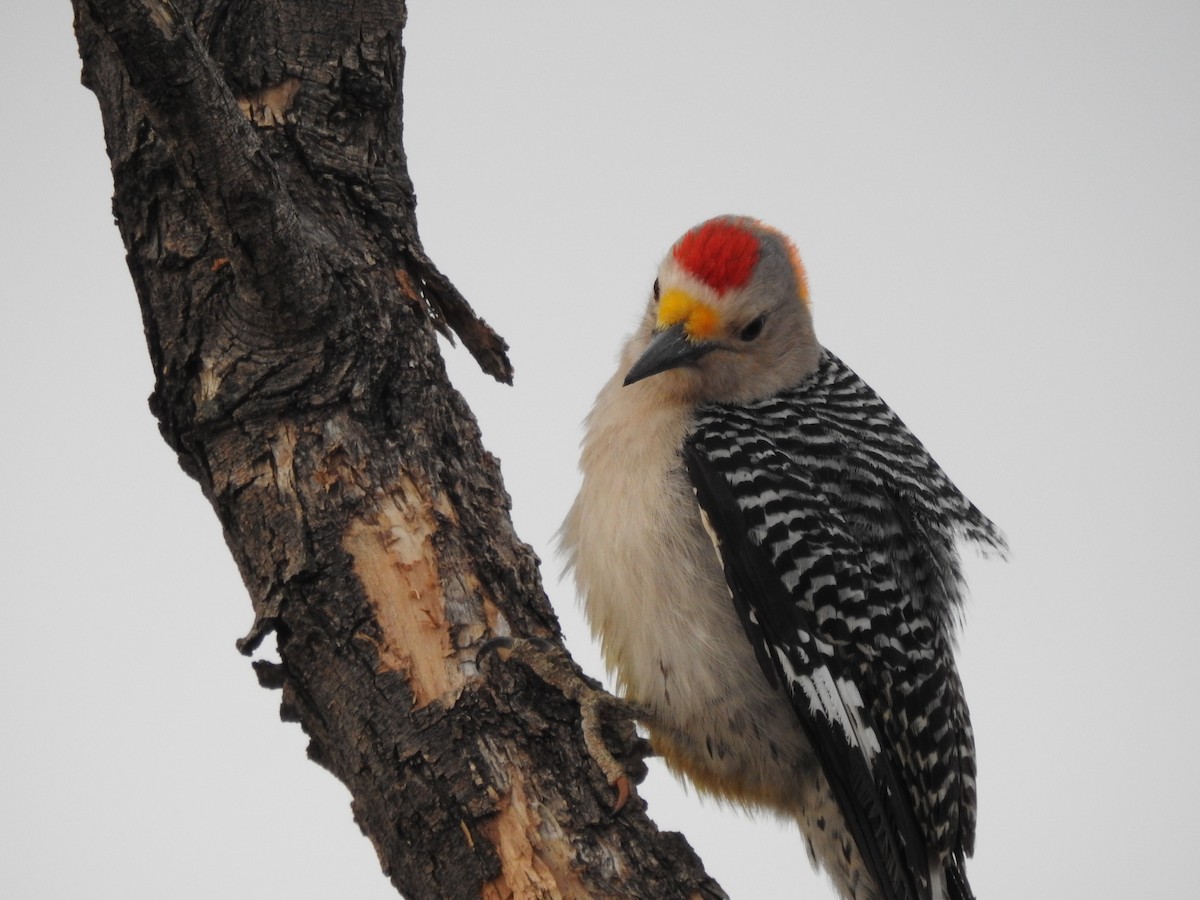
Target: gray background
pixel 999 208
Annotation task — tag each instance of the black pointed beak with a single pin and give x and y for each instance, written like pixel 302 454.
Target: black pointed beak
pixel 669 349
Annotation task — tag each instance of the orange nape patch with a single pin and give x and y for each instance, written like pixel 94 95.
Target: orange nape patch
pixel 720 254
pixel 700 320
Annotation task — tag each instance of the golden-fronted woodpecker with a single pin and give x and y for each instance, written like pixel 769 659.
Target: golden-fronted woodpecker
pixel 768 556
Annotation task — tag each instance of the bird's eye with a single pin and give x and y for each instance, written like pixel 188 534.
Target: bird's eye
pixel 657 290
pixel 753 330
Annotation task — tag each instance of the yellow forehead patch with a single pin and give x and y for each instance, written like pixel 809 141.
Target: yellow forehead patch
pixel 674 306
pixel 700 320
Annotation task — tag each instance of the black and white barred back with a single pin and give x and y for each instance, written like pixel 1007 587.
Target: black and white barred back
pixel 837 532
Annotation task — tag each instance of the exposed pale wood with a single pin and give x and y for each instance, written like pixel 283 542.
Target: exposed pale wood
pixel 290 313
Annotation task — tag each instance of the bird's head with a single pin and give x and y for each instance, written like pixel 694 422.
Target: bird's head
pixel 729 317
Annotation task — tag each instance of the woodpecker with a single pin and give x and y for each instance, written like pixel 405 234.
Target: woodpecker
pixel 768 557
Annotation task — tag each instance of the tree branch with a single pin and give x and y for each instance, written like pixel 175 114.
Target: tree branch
pixel 263 197
pixel 192 108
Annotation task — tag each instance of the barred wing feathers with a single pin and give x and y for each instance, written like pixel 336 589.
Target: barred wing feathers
pixel 837 531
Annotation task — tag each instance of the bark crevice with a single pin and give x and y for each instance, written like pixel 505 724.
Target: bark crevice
pixel 290 313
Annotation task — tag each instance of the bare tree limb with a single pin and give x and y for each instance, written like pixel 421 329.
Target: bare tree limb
pixel 290 312
pixel 192 108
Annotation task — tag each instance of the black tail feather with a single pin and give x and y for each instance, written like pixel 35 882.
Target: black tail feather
pixel 957 887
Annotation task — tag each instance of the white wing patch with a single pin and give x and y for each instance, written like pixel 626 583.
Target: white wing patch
pixel 838 700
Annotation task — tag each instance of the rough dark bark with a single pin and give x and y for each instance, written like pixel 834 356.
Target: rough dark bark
pixel 263 197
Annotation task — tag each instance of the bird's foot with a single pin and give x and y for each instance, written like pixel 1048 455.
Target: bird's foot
pixel 597 707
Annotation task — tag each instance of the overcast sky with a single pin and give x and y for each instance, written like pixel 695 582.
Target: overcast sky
pixel 999 209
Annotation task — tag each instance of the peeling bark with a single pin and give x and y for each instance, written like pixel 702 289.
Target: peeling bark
pixel 290 312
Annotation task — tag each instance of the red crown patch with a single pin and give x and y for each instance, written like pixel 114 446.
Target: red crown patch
pixel 720 254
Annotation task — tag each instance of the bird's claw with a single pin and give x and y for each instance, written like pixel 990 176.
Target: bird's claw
pixel 556 669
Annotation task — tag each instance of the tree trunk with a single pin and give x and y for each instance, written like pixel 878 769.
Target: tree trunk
pixel 262 193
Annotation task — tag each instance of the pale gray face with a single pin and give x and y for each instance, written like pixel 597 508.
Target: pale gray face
pixel 739 344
